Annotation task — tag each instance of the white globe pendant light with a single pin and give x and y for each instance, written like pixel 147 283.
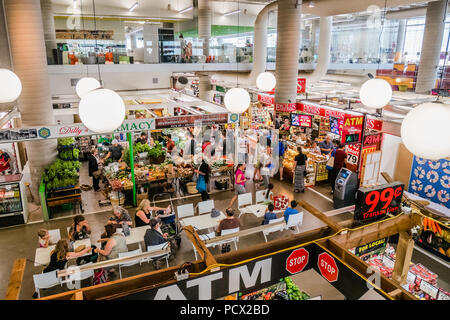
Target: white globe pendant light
pixel 375 93
pixel 102 110
pixel 85 85
pixel 425 131
pixel 10 86
pixel 266 81
pixel 237 100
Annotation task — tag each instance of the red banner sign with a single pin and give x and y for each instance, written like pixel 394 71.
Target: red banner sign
pixel 374 124
pixel 320 111
pixel 264 98
pixel 190 121
pixel 352 129
pixel 301 85
pixel 372 140
pixel 285 107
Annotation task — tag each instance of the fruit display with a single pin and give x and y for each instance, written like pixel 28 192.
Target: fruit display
pixel 286 289
pixel 435 237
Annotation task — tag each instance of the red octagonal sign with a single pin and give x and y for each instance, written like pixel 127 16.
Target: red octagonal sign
pixel 297 260
pixel 327 266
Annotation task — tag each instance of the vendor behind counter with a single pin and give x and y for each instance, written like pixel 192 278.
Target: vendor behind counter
pixel 115 151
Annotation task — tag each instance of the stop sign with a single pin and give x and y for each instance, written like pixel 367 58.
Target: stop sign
pixel 327 266
pixel 297 260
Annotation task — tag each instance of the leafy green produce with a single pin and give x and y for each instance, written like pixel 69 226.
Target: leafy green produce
pixel 140 147
pixel 65 142
pixel 156 151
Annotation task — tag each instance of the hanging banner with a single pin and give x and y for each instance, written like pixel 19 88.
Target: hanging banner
pixel 264 98
pixel 285 107
pixel 190 121
pixel 320 111
pixel 373 140
pixel 352 130
pixel 301 85
pixel 374 124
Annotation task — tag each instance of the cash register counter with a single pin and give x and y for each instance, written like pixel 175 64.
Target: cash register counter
pixel 316 171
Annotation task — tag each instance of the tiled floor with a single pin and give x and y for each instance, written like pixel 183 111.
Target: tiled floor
pixel 21 241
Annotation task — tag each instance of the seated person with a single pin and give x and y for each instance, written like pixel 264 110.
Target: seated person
pixel 120 217
pixel 230 222
pixel 290 210
pixel 116 243
pixel 269 215
pixel 44 238
pixel 79 230
pixel 268 198
pixel 144 213
pixel 154 237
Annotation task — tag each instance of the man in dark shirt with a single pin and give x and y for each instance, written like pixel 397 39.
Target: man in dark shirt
pixel 340 159
pixel 142 139
pixel 154 237
pixel 115 151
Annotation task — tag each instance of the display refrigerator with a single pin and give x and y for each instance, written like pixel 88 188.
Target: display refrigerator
pixel 13 203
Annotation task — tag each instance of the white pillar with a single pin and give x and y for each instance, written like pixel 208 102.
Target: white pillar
pixel 431 46
pixel 204 24
pixel 49 28
pixel 260 42
pixel 288 41
pixel 26 38
pixel 401 33
pixel 151 44
pixel 323 58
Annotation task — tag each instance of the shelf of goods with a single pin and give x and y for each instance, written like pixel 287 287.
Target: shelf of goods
pixel 420 281
pixel 12 201
pixel 61 178
pixel 285 289
pixel 324 128
pixel 435 237
pixel 315 165
pixel 221 177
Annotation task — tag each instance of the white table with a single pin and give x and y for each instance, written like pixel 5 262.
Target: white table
pixel 42 256
pixel 258 210
pixel 136 235
pixel 203 221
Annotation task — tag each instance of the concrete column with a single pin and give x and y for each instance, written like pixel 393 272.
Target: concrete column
pixel 133 41
pixel 323 58
pixel 288 41
pixel 401 33
pixel 5 58
pixel 151 44
pixel 26 38
pixel 431 46
pixel 49 28
pixel 204 87
pixel 204 24
pixel 314 28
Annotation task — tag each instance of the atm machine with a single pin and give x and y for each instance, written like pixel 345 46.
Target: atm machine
pixel 345 188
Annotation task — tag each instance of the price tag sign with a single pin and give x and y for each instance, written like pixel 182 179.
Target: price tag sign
pixel 375 202
pixel 429 289
pixel 443 296
pixel 388 262
pixel 411 277
pixel 352 153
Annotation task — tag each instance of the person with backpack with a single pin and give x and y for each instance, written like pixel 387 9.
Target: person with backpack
pixel 300 170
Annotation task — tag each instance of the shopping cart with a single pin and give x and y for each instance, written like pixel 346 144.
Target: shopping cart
pixel 169 224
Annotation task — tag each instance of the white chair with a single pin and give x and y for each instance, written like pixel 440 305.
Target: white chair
pixel 55 236
pixel 204 237
pixel 261 196
pixel 234 239
pixel 280 227
pixel 186 210
pixel 295 220
pixel 45 281
pixel 243 201
pixel 205 206
pixel 130 263
pixel 159 256
pixel 79 276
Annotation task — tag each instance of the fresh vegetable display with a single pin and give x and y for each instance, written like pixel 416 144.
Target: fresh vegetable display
pixel 69 154
pixel 286 289
pixel 66 142
pixel 139 147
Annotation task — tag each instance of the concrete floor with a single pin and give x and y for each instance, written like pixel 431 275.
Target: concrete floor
pixel 21 241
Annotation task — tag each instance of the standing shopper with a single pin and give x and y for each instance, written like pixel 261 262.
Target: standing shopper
pixel 239 182
pixel 281 149
pixel 340 160
pixel 300 169
pixel 204 170
pixel 266 161
pixel 94 170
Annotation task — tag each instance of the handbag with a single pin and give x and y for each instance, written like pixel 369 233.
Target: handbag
pixel 215 213
pixel 330 163
pixel 201 184
pixel 97 174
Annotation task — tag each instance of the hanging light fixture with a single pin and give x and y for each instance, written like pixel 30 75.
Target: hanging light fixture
pixel 266 81
pixel 85 85
pixel 237 100
pixel 375 93
pixel 102 110
pixel 10 86
pixel 425 131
